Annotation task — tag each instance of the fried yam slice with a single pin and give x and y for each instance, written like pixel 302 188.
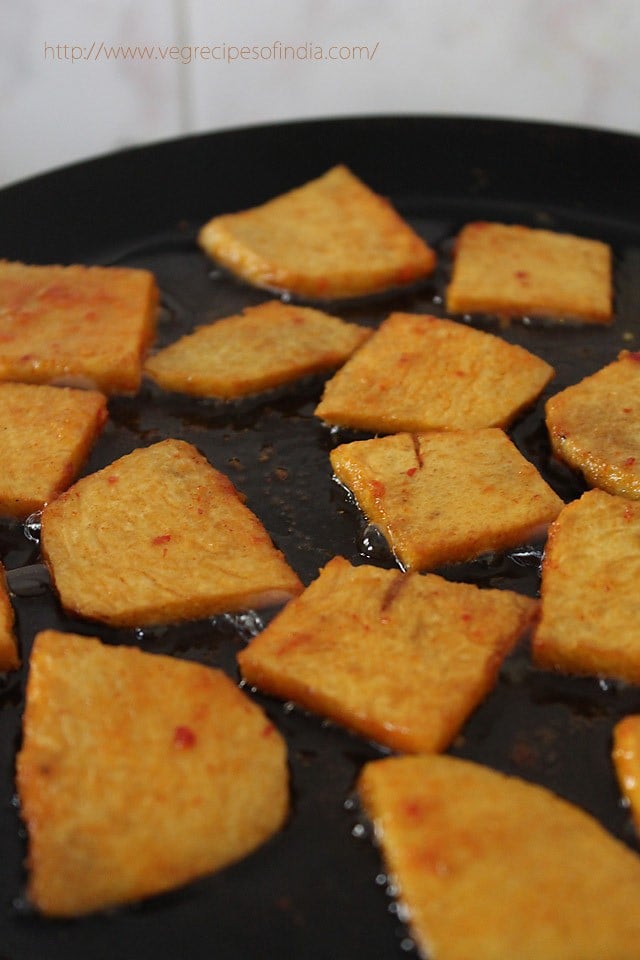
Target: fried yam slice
pixel 332 237
pixel 76 325
pixel 594 426
pixel 447 496
pixel 590 621
pixel 422 373
pixel 9 657
pixel 489 866
pixel 47 433
pixel 626 761
pixel 401 658
pixel 265 346
pixel 160 536
pixel 516 270
pixel 138 773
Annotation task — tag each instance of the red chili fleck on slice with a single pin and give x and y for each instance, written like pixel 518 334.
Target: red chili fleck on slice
pixel 629 462
pixel 411 471
pixel 184 737
pixel 627 409
pixel 634 355
pixel 163 538
pixel 377 489
pixel 268 730
pixel 112 479
pixel 628 513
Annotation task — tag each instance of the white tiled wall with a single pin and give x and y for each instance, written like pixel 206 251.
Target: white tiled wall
pixel 573 61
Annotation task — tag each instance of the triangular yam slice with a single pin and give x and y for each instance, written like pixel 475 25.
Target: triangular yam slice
pixel 513 270
pixel 160 536
pixel 449 496
pixel 400 658
pixel 76 325
pixel 47 433
pixel 332 237
pixel 590 622
pixel 422 373
pixel 265 346
pixel 138 773
pixel 594 426
pixel 490 867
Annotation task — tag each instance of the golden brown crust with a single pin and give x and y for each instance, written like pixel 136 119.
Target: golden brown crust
pixel 422 373
pixel 594 426
pixel 491 867
pixel 515 270
pixel 138 773
pixel 332 237
pixel 590 575
pixel 446 497
pixel 47 433
pixel 400 658
pixel 160 536
pixel 76 325
pixel 265 346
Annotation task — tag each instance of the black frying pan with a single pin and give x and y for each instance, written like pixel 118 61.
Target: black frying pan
pixel 317 890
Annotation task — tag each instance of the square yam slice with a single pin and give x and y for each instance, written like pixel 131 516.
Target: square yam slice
pixel 594 426
pixel 46 435
pixel 626 761
pixel 400 658
pixel 9 657
pixel 265 346
pixel 332 237
pixel 76 325
pixel 446 497
pixel 590 621
pixel 422 373
pixel 515 271
pixel 138 773
pixel 160 536
pixel 490 867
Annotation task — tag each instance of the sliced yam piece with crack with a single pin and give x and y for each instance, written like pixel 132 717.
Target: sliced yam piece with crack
pixel 160 536
pixel 402 659
pixel 76 325
pixel 333 237
pixel 138 773
pixel 47 433
pixel 590 621
pixel 594 426
pixel 489 866
pixel 446 497
pixel 422 373
pixel 514 270
pixel 265 346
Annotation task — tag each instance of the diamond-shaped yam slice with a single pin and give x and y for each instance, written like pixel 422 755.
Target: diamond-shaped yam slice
pixel 590 621
pixel 516 271
pixel 47 433
pixel 626 760
pixel 9 658
pixel 267 345
pixel 332 237
pixel 422 373
pixel 76 325
pixel 489 866
pixel 594 426
pixel 402 659
pixel 446 497
pixel 138 773
pixel 160 536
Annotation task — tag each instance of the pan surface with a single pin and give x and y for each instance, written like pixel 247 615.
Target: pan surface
pixel 318 890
